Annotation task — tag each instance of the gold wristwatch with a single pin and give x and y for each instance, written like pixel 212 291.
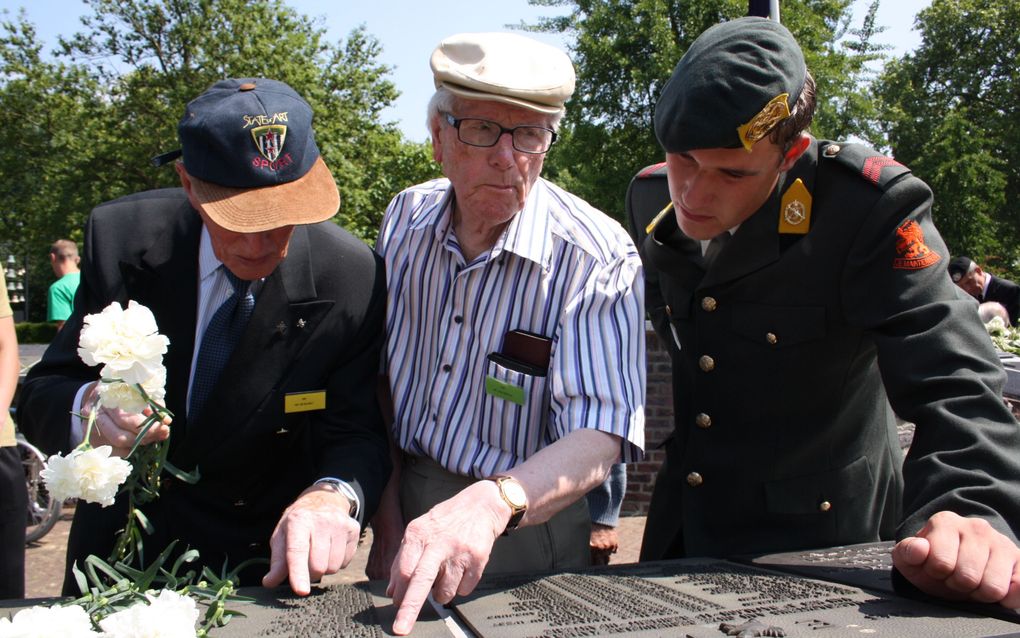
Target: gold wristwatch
pixel 512 492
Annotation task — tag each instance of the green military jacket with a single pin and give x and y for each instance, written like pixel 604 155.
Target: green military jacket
pixel 790 354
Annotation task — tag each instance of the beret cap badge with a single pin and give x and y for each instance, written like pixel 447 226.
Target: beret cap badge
pixel 759 126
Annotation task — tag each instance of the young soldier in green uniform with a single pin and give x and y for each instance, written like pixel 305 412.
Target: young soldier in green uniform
pixel 802 288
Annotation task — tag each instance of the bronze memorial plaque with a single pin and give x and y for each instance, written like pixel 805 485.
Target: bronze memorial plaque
pixel 355 611
pixel 703 598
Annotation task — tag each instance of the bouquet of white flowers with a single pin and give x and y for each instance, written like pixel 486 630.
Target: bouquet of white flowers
pixel 118 599
pixel 1003 337
pixel 127 343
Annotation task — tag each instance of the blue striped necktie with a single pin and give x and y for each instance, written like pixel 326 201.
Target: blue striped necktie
pixel 218 341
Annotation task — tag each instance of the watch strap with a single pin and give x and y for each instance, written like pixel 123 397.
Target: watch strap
pixel 344 488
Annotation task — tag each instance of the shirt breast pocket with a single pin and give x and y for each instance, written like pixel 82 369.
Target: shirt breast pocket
pixel 513 405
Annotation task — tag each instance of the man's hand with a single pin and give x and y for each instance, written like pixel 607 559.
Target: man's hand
pixel 446 550
pixel 315 537
pixel 603 543
pixel 119 429
pixel 961 559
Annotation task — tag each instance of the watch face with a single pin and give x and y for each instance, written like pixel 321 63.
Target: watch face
pixel 514 493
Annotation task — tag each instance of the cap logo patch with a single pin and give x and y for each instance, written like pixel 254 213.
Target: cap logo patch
pixel 912 251
pixel 269 140
pixel 759 126
pixel 262 119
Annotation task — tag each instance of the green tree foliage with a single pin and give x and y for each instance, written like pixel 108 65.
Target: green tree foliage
pixel 84 124
pixel 950 110
pixel 625 50
pixel 49 160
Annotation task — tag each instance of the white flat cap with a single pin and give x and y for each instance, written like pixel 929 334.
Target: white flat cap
pixel 504 67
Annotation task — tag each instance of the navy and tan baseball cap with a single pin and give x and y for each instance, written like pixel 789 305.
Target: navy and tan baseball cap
pixel 733 85
pixel 504 67
pixel 250 151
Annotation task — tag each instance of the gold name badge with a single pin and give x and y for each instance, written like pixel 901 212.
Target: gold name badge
pixel 304 401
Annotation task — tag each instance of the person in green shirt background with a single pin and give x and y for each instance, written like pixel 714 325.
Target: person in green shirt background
pixel 64 259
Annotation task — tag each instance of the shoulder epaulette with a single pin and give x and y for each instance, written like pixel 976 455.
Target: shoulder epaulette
pixel 879 169
pixel 653 170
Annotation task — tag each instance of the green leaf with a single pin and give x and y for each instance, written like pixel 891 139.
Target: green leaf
pixel 144 521
pixel 191 477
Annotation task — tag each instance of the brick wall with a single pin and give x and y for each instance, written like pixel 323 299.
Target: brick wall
pixel 658 425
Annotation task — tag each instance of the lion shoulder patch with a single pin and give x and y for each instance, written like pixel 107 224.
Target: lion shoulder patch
pixel 911 251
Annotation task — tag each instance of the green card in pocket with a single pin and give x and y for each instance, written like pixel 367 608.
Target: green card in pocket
pixel 503 390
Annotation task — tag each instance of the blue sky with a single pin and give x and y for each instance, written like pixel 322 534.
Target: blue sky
pixel 408 31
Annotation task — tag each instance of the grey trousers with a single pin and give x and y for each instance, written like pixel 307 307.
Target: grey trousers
pixel 558 544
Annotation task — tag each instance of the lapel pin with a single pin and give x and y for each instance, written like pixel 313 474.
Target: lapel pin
pixel 281 328
pixel 282 431
pixel 300 323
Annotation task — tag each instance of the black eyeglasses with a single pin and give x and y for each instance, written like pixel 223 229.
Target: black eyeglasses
pixel 485 133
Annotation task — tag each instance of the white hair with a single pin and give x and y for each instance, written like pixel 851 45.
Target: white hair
pixel 446 101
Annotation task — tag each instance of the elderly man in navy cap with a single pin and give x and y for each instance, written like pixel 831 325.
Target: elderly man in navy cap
pixel 275 319
pixel 515 348
pixel 801 285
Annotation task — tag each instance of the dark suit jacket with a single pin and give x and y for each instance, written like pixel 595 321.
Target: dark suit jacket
pixel 317 325
pixel 1007 293
pixel 786 356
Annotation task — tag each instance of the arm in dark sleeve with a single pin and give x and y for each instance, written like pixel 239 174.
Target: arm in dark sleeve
pixel 351 439
pixel 605 500
pixel 938 367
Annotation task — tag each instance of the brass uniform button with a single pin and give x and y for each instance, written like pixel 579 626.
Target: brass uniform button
pixel 831 150
pixel 709 304
pixel 703 421
pixel 706 363
pixel 694 479
pixel 824 506
pixel 771 338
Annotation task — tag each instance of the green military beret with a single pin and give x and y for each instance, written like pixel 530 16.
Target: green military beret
pixel 736 82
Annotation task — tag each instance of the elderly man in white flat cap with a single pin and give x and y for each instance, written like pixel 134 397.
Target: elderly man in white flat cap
pixel 515 352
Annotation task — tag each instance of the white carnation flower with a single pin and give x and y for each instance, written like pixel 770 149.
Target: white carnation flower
pixel 92 475
pixel 46 622
pixel 128 398
pixel 100 475
pixel 126 341
pixel 60 478
pixel 168 615
pixel 996 327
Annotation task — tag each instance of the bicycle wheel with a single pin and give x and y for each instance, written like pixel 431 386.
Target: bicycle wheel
pixel 43 510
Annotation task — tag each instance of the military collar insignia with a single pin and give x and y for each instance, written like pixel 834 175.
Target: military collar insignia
pixel 658 218
pixel 759 125
pixel 795 210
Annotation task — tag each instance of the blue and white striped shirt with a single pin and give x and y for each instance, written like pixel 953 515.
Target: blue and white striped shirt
pixel 561 269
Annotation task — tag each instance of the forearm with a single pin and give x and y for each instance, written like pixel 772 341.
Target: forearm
pixel 9 365
pixel 561 473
